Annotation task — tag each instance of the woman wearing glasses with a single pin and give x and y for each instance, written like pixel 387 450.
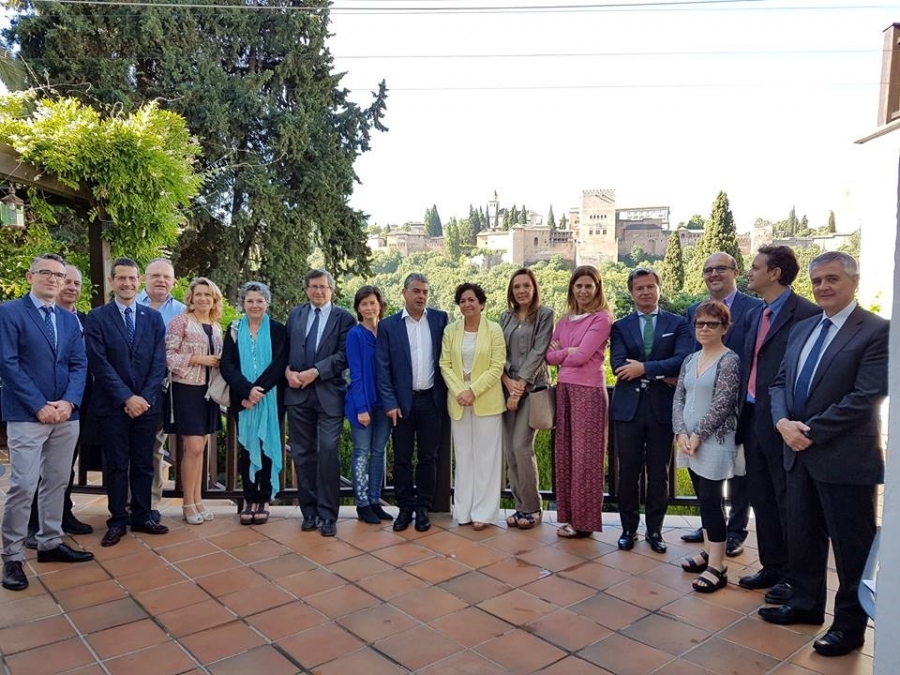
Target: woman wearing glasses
pixel 704 418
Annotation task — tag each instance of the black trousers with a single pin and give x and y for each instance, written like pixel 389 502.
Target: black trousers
pixel 257 488
pixel 739 514
pixel 419 434
pixel 128 461
pixel 843 514
pixel 712 512
pixel 315 442
pixel 643 443
pixel 767 481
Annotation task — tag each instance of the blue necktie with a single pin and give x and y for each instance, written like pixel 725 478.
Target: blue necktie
pixel 129 325
pixel 311 338
pixel 48 322
pixel 801 389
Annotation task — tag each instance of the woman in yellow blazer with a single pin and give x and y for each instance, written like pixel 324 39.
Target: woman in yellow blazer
pixel 473 353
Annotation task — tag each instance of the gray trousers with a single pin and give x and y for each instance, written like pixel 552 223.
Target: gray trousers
pixel 37 451
pixel 521 465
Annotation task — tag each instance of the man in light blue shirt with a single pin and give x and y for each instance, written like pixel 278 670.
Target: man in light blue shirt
pixel 159 280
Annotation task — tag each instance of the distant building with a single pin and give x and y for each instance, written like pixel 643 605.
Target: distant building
pixel 647 228
pixel 595 231
pixel 524 245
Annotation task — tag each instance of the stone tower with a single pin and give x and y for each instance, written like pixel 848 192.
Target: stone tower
pixel 596 233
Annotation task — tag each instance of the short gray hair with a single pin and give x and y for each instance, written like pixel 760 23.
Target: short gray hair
pixel 254 287
pixel 46 256
pixel 316 274
pixel 845 259
pixel 413 278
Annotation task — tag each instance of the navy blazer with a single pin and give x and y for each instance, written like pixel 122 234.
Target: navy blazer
pixel 771 352
pixel 734 338
pixel 845 395
pixel 393 362
pixel 120 369
pixel 330 359
pixel 34 370
pixel 671 344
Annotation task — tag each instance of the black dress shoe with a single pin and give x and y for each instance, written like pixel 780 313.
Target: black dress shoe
pixel 404 518
pixel 150 527
pixel 765 578
pixel 779 594
pixel 64 553
pixel 367 515
pixel 694 537
pixel 31 541
pixel 328 528
pixel 309 523
pixel 657 543
pixel 72 525
pixel 112 536
pixel 626 541
pixel 14 578
pixel 734 547
pixel 787 615
pixel 838 643
pixel 379 511
pixel 423 522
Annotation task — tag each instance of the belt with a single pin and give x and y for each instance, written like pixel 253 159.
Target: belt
pixel 423 392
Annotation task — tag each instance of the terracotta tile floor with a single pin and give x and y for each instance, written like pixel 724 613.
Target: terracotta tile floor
pixel 222 598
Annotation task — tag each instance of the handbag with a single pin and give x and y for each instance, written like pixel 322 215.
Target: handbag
pixel 542 407
pixel 218 389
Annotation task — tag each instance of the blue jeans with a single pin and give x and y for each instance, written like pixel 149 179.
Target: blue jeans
pixel 367 461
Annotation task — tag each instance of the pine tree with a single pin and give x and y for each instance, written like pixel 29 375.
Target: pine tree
pixel 452 242
pixel 433 225
pixel 523 216
pixel 831 228
pixel 551 221
pixel 792 224
pixel 506 219
pixel 563 222
pixel 513 216
pixel 719 235
pixel 672 270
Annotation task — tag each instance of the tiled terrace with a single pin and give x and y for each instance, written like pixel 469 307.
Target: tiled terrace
pixel 223 598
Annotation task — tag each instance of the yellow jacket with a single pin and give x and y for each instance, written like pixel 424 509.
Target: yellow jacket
pixel 490 357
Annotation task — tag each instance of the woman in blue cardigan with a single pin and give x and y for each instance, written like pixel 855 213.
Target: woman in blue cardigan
pixel 369 426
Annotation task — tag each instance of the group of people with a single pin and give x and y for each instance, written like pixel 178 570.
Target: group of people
pixel 776 394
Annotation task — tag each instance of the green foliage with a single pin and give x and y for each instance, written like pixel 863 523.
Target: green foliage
pixel 831 227
pixel 672 268
pixel 138 167
pixel 453 239
pixel 851 246
pixel 563 222
pixel 523 216
pixel 719 234
pixel 551 221
pixel 17 249
pixel 802 285
pixel 433 225
pixel 696 222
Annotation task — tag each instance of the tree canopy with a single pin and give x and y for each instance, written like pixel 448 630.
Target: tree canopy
pixel 719 234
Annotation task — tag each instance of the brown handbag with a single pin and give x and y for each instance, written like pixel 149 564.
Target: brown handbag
pixel 542 407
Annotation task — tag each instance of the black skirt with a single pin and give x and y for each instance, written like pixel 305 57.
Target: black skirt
pixel 193 414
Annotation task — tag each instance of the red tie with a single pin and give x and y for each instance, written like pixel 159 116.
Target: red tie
pixel 760 337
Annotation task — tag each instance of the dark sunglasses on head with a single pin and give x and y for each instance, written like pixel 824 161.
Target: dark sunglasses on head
pixel 707 324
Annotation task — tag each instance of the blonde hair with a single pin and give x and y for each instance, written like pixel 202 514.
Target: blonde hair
pixel 215 312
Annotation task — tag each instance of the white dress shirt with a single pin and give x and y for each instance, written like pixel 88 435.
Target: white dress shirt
pixel 421 350
pixel 837 321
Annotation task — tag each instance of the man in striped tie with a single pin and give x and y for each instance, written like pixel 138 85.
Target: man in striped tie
pixel 825 404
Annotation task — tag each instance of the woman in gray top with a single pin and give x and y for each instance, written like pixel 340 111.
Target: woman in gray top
pixel 704 418
pixel 527 327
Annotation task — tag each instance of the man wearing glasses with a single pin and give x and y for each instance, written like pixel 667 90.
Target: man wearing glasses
pixel 720 273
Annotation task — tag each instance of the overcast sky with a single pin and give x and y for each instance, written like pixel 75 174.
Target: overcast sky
pixel 666 105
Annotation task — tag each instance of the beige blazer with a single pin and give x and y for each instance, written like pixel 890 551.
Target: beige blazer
pixel 490 357
pixel 185 337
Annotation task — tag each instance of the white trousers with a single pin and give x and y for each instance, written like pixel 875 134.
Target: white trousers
pixel 478 448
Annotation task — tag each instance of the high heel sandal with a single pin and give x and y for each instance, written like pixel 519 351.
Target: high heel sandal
pixel 704 585
pixel 191 518
pixel 204 512
pixel 246 516
pixel 261 515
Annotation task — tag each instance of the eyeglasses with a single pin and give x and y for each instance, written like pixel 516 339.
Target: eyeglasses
pixel 707 324
pixel 718 269
pixel 316 287
pixel 50 273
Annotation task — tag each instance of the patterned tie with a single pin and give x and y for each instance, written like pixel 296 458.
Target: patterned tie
pixel 129 325
pixel 311 338
pixel 648 335
pixel 801 390
pixel 764 326
pixel 48 323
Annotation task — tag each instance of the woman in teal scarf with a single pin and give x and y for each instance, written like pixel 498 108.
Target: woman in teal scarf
pixel 254 356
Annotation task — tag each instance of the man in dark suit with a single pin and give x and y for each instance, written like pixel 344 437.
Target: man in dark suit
pixel 127 355
pixel 317 357
pixel 770 276
pixel 646 351
pixel 415 398
pixel 43 369
pixel 68 296
pixel 825 404
pixel 720 273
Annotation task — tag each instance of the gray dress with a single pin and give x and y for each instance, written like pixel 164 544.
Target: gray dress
pixel 707 405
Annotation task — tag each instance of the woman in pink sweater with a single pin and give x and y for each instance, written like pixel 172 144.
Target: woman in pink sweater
pixel 578 347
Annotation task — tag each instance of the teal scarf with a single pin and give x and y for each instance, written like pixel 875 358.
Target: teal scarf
pixel 258 429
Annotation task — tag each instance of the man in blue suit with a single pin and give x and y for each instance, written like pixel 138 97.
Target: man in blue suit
pixel 720 273
pixel 410 385
pixel 43 368
pixel 317 357
pixel 646 351
pixel 126 346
